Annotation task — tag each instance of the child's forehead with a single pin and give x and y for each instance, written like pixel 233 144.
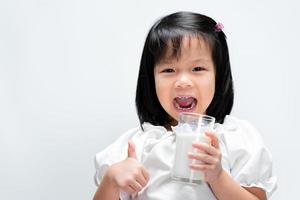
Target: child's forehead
pixel 189 43
pixel 194 46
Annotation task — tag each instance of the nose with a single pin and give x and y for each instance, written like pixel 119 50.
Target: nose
pixel 183 81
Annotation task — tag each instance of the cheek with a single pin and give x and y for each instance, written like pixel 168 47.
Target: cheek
pixel 207 90
pixel 211 90
pixel 211 87
pixel 160 89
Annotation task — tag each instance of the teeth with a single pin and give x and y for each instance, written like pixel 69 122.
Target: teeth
pixel 183 97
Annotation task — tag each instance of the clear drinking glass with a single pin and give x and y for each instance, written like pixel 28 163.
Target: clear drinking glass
pixel 191 127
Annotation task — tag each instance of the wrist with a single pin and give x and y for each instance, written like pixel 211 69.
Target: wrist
pixel 106 189
pixel 109 180
pixel 218 178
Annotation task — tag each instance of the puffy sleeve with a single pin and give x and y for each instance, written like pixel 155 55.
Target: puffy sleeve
pixel 112 154
pixel 249 160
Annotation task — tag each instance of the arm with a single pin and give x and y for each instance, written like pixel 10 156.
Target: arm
pixel 106 190
pixel 224 187
pixel 222 184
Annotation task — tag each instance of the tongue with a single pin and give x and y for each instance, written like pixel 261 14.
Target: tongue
pixel 185 102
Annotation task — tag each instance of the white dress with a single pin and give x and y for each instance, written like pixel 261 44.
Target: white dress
pixel 244 157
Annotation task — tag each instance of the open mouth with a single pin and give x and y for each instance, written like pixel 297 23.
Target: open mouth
pixel 185 103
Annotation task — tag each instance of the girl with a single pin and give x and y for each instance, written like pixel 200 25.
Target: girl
pixel 185 68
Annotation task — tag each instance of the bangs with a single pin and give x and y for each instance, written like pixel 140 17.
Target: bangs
pixel 165 44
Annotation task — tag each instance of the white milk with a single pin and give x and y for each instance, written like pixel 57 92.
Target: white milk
pixel 181 169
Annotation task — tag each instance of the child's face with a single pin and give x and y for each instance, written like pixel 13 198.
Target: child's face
pixel 187 83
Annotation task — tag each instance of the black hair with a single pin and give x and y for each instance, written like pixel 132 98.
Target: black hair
pixel 171 29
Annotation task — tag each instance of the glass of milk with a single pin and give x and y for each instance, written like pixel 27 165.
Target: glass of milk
pixel 191 127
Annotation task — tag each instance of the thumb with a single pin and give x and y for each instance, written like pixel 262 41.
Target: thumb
pixel 131 149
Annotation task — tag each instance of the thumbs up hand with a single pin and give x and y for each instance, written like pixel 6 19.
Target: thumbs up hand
pixel 128 175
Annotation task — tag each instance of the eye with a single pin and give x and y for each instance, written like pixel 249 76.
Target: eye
pixel 168 70
pixel 198 69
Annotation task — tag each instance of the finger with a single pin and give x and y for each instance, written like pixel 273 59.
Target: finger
pixel 204 158
pixel 214 139
pixel 141 180
pixel 145 174
pixel 136 186
pixel 206 148
pixel 129 190
pixel 201 167
pixel 131 149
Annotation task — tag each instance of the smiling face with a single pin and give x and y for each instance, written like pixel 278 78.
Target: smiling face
pixel 186 83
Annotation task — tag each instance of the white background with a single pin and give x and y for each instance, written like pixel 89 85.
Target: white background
pixel 68 73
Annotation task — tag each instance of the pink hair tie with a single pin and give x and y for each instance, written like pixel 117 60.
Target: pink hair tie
pixel 219 27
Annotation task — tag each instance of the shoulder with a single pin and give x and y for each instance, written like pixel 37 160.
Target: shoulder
pixel 127 135
pixel 118 149
pixel 242 141
pixel 232 123
pixel 239 130
pixel 115 151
